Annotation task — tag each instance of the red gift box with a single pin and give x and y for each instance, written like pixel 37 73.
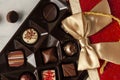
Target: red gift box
pixel 110 33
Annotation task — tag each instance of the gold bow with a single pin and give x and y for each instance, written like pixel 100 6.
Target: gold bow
pixel 81 26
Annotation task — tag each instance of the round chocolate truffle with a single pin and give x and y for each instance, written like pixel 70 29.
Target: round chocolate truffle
pixel 12 16
pixel 50 12
pixel 70 48
pixel 30 36
pixel 27 76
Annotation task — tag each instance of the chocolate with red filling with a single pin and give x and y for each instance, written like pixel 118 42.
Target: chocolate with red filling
pixel 48 75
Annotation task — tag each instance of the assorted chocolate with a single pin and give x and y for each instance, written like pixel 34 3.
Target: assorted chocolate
pixel 70 48
pixel 50 12
pixel 30 36
pixel 69 70
pixel 12 16
pixel 16 58
pixel 49 75
pixel 49 55
pixel 40 49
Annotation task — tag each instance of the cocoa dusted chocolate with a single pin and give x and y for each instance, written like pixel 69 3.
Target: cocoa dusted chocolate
pixel 30 36
pixel 16 58
pixel 12 16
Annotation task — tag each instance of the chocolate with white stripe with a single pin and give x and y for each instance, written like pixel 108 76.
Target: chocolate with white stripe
pixel 16 58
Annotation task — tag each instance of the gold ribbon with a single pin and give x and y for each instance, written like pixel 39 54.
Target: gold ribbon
pixel 81 26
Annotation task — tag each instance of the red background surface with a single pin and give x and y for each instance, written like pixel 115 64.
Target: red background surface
pixel 109 34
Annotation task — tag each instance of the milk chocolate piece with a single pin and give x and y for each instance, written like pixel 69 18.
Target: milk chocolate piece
pixel 70 48
pixel 12 16
pixel 49 55
pixel 50 12
pixel 69 70
pixel 30 36
pixel 16 58
pixel 27 76
pixel 48 75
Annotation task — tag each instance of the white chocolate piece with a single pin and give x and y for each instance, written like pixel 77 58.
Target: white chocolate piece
pixel 30 36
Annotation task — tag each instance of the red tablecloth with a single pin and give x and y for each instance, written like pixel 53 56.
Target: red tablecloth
pixel 110 33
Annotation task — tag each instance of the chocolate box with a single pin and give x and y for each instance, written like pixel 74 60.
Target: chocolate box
pixel 40 49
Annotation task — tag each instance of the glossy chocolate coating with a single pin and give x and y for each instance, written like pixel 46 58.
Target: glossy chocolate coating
pixel 70 48
pixel 69 70
pixel 16 59
pixel 50 12
pixel 49 55
pixel 12 16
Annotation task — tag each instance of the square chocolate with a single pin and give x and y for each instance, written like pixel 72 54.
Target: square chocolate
pixel 49 74
pixel 69 70
pixel 16 58
pixel 49 55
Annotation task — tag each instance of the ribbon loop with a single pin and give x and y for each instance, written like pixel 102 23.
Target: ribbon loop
pixel 88 58
pixel 80 26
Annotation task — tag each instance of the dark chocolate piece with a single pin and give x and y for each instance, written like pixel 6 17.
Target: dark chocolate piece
pixel 70 48
pixel 30 36
pixel 50 12
pixel 48 75
pixel 49 55
pixel 69 70
pixel 27 76
pixel 2 77
pixel 16 58
pixel 12 16
pixel 19 45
